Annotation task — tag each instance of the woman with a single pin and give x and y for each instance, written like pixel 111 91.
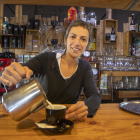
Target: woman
pixel 63 76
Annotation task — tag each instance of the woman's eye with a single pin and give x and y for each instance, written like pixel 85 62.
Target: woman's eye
pixel 72 36
pixel 83 39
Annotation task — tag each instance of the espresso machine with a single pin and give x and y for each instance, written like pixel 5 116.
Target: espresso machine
pixel 6 58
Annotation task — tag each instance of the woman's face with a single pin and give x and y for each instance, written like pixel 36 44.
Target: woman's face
pixel 77 41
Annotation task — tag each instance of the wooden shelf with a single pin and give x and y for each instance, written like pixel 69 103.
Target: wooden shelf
pixel 11 48
pixel 108 23
pixel 109 42
pixel 127 93
pixel 32 30
pixel 13 35
pixel 90 50
pixel 121 73
pixel 30 43
pixel 94 62
pixel 10 41
pixel 105 97
pixel 96 80
pixel 128 40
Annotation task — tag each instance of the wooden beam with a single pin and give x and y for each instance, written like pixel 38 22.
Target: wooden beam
pixel 108 13
pixel 1 20
pixel 136 7
pixel 102 22
pixel 18 14
pixel 112 4
pixel 125 27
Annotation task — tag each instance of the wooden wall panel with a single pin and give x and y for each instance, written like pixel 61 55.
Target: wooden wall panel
pixel 18 14
pixel 12 20
pixel 98 38
pixel 25 20
pixel 101 34
pixel 125 27
pixel 120 42
pixel 1 20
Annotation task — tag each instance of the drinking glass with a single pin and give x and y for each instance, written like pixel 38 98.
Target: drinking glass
pixel 115 67
pixel 104 63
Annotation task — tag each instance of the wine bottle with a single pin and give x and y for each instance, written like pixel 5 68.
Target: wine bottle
pixel 132 24
pixel 112 36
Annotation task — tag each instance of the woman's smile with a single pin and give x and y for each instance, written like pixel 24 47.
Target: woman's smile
pixel 75 50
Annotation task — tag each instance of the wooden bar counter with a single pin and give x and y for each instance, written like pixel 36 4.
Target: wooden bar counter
pixel 109 123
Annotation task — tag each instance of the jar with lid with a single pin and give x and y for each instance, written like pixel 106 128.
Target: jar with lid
pixel 91 19
pixel 93 57
pixel 86 56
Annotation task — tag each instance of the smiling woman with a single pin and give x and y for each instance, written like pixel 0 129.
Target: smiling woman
pixel 77 41
pixel 63 76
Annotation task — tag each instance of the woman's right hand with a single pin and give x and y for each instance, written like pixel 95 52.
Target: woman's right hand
pixel 14 73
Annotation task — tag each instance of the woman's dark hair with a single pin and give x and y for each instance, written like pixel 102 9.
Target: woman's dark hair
pixel 81 23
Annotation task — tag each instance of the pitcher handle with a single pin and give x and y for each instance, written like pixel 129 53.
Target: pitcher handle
pixel 44 104
pixel 6 88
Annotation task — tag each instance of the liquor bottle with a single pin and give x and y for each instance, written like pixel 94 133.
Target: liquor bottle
pixel 133 47
pixel 132 25
pixel 112 36
pixel 5 26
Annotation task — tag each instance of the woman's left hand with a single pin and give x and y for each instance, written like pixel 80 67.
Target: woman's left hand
pixel 77 111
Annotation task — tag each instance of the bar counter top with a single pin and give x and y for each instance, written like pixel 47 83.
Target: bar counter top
pixel 109 123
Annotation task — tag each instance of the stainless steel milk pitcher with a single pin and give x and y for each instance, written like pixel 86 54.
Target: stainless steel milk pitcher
pixel 21 102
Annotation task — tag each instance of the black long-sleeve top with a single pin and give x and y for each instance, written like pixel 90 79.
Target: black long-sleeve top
pixel 65 91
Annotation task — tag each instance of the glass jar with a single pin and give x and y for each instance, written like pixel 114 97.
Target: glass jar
pixel 95 72
pixel 81 14
pixel 86 56
pixel 91 19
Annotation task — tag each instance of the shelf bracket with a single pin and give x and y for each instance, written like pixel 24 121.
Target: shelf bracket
pixel 131 4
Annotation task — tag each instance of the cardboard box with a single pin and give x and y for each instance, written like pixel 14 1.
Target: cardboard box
pixel 20 58
pixel 26 58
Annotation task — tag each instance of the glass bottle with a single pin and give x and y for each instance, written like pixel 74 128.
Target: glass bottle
pixel 5 25
pixel 112 36
pixel 132 24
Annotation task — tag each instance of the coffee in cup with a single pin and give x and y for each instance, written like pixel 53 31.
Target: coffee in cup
pixel 56 115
